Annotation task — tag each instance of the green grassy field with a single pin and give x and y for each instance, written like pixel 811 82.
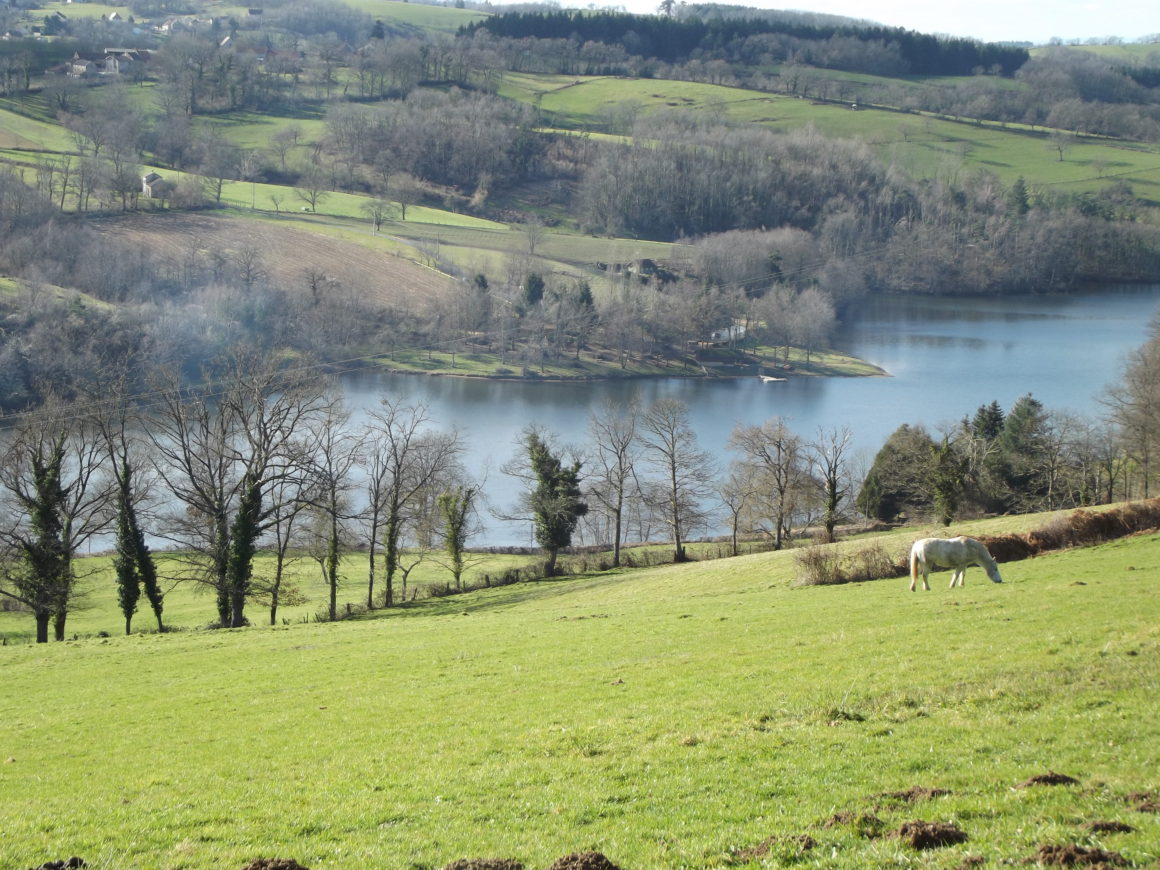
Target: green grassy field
pixel 421 16
pixel 1138 52
pixel 924 144
pixel 706 715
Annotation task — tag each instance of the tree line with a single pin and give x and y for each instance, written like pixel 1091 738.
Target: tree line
pixel 265 459
pixel 675 38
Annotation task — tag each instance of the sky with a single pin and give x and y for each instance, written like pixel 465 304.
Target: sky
pixel 1035 21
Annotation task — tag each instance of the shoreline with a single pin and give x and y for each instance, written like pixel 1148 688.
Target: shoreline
pixel 778 372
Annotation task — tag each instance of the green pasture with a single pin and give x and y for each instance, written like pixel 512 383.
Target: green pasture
pixel 20 131
pixel 1138 52
pixel 77 10
pixel 707 715
pixel 189 606
pixel 255 130
pixel 926 145
pixel 421 16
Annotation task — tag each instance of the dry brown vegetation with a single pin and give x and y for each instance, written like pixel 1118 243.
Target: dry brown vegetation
pixel 286 251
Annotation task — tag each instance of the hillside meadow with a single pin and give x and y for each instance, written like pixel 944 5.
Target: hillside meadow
pixel 925 145
pixel 713 714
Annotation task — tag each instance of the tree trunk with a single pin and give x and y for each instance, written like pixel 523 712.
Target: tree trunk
pixel 619 515
pixel 58 620
pixel 42 627
pixel 332 569
pixel 391 554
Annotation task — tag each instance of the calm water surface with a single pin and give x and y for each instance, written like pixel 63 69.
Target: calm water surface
pixel 945 357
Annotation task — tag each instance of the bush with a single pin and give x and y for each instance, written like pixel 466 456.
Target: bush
pixel 872 562
pixel 820 566
pixel 1141 515
pixel 1008 548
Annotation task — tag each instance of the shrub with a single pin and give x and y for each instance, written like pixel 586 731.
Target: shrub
pixel 872 562
pixel 1008 548
pixel 1141 515
pixel 820 566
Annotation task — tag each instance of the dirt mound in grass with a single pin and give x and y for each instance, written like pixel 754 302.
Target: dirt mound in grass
pixel 485 864
pixel 804 843
pixel 1144 802
pixel 583 861
pixel 930 835
pixel 867 825
pixel 66 864
pixel 1108 828
pixel 1049 778
pixel 914 794
pixel 274 864
pixel 1076 856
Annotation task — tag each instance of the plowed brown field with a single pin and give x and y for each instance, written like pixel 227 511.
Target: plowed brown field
pixel 287 252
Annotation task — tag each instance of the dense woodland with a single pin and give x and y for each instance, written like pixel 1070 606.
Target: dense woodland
pixel 674 39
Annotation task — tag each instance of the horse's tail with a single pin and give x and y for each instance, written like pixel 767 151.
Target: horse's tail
pixel 913 565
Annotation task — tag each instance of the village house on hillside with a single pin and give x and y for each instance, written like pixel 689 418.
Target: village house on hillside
pixel 153 186
pixel 124 62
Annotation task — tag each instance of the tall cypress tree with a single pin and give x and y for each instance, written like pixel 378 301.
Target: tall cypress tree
pixel 125 565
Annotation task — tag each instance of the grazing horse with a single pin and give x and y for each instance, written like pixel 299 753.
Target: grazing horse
pixel 958 553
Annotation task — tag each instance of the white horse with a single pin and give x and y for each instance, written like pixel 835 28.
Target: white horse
pixel 958 553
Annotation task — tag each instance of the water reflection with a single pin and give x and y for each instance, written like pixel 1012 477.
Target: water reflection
pixel 946 357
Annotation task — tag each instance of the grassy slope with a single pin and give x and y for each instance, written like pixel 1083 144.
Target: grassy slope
pixel 1135 52
pixel 664 717
pixel 925 145
pixel 440 19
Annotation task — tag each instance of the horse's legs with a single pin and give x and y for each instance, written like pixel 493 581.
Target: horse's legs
pixel 957 577
pixel 922 570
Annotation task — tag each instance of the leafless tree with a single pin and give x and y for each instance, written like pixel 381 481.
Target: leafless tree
pixel 684 472
pixel 737 493
pixel 1133 406
pixel 333 452
pixel 221 449
pixel 409 464
pixel 775 458
pixel 286 540
pixel 612 432
pixel 828 457
pixel 406 190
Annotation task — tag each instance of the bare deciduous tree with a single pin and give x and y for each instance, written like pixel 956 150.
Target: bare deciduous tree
pixel 333 452
pixel 828 456
pixel 409 464
pixel 685 472
pixel 220 453
pixel 615 449
pixel 774 456
pixel 1134 406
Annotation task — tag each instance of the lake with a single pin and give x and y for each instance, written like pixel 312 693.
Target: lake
pixel 945 356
